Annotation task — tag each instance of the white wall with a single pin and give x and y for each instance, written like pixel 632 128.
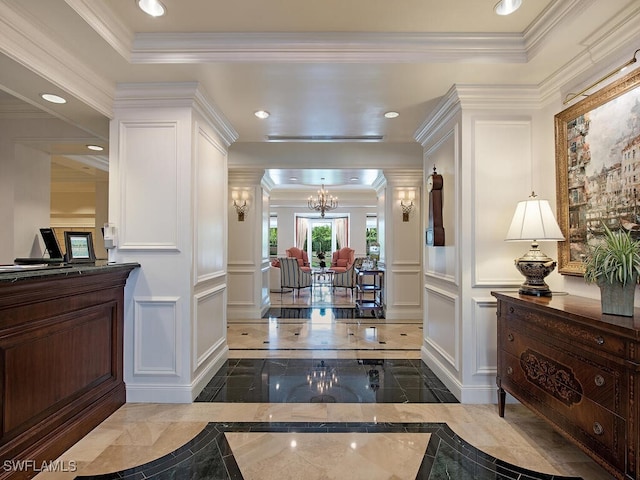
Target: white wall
pixel 248 266
pixel 489 162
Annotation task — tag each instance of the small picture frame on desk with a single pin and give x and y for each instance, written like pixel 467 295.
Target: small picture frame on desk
pixel 79 247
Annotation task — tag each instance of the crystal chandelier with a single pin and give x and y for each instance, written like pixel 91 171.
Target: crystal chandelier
pixel 323 202
pixel 322 378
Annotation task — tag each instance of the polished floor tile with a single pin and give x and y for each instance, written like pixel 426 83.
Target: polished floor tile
pixel 265 416
pixel 326 381
pixel 470 439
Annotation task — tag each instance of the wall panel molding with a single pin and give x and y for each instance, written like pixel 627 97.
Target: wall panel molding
pixel 484 308
pixel 215 297
pixel 449 303
pixel 156 354
pixel 146 148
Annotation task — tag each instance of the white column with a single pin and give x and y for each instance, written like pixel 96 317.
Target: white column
pixel 248 245
pixel 401 244
pixel 168 202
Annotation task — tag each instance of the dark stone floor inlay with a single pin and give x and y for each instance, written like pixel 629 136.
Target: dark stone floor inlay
pixel 209 456
pixel 294 380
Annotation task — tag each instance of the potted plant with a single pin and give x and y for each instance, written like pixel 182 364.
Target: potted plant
pixel 321 257
pixel 614 264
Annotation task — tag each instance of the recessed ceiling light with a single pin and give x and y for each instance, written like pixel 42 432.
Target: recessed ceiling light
pixel 50 97
pixel 507 7
pixel 293 179
pixel 391 115
pixel 262 114
pixel 354 179
pixel 96 148
pixel 152 7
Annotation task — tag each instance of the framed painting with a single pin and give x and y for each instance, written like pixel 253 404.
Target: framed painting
pixel 79 246
pixel 597 143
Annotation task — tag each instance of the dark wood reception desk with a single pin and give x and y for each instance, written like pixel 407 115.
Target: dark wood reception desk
pixel 61 343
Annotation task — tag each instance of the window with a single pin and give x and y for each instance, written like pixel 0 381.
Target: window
pixel 273 236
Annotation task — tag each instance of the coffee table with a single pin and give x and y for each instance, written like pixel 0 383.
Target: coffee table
pixel 322 277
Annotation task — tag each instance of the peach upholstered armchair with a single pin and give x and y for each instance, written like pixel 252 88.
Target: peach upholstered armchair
pixel 301 256
pixel 342 259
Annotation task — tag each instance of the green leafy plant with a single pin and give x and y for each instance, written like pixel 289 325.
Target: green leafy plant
pixel 616 258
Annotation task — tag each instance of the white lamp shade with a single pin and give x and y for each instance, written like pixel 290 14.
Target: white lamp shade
pixel 534 220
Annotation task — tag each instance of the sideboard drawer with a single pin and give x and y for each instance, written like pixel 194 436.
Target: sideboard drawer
pixel 583 419
pixel 567 374
pixel 561 330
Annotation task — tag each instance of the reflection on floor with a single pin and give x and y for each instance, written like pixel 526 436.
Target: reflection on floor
pixel 326 381
pixel 247 428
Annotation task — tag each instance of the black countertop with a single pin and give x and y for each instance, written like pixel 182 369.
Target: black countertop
pixel 16 273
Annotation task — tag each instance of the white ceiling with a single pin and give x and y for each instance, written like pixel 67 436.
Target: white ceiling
pixel 329 68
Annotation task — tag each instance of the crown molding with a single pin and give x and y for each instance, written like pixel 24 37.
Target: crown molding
pixel 404 177
pixel 536 34
pixel 246 176
pixel 102 19
pixel 335 47
pixel 14 110
pixel 603 45
pixel 447 108
pixel 179 94
pixel 25 40
pixel 475 97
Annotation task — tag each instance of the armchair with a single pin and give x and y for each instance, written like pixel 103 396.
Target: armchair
pixel 293 276
pixel 301 256
pixel 347 279
pixel 342 259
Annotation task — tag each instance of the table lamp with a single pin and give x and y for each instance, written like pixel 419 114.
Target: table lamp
pixel 534 221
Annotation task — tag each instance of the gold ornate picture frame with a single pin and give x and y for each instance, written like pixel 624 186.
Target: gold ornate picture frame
pixel 597 141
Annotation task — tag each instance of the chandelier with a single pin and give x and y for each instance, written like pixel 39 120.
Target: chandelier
pixel 323 202
pixel 322 378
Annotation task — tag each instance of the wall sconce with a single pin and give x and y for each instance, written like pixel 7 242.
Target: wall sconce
pixel 406 207
pixel 241 208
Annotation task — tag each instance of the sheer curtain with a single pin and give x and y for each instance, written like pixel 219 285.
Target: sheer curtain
pixel 342 232
pixel 302 225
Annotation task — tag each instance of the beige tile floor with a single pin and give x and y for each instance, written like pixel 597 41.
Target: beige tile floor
pixel 138 433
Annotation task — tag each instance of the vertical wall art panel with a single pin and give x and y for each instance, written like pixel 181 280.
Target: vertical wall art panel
pixel 502 158
pixel 210 328
pixel 148 152
pixel 211 187
pixel 156 336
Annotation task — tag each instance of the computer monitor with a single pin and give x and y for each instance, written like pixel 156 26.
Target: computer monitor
pixel 51 243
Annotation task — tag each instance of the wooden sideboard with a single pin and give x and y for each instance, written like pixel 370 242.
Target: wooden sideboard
pixel 576 368
pixel 61 332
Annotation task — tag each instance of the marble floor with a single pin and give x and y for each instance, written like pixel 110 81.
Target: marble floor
pixel 241 438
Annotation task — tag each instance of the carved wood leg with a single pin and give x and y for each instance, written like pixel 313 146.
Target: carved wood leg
pixel 502 396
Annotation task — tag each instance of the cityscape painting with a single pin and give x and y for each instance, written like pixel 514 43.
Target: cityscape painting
pixel 598 169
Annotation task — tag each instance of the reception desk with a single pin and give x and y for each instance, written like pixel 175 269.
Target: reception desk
pixel 61 342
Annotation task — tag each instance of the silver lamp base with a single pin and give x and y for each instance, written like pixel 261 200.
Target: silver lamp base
pixel 535 266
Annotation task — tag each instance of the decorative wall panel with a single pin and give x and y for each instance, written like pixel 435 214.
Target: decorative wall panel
pixel 442 325
pixel 502 150
pixel 210 323
pixel 148 151
pixel 156 336
pixel 210 196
